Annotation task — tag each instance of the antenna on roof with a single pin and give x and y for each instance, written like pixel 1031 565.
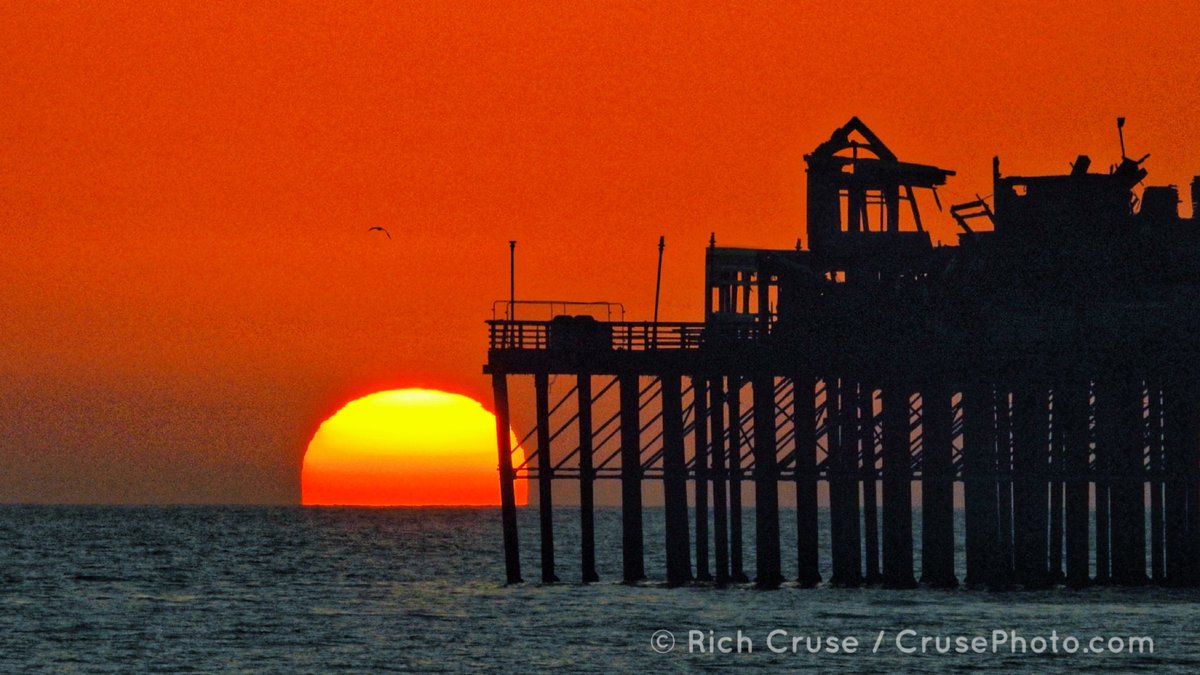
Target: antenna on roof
pixel 1121 134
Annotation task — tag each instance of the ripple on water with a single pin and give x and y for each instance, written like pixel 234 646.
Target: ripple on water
pixel 285 590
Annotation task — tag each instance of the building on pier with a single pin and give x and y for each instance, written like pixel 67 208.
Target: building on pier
pixel 1047 364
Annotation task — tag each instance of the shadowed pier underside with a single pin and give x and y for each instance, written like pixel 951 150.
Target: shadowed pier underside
pixel 1043 374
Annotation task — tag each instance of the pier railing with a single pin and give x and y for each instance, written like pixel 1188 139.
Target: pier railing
pixel 614 335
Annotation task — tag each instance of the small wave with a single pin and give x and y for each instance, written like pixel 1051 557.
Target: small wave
pixel 100 578
pixel 173 599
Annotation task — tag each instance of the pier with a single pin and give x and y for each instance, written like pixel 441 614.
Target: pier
pixel 1042 374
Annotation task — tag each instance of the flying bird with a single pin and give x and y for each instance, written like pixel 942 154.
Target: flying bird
pixel 384 231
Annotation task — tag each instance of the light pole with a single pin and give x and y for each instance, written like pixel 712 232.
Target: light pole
pixel 512 280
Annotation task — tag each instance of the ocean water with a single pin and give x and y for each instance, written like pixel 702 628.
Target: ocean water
pixel 102 589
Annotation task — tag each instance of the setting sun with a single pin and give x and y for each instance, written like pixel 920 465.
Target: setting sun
pixel 407 447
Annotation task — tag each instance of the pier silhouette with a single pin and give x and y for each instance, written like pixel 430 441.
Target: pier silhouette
pixel 1047 364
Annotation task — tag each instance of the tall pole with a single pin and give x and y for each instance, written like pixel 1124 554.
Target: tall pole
pixel 512 280
pixel 1121 134
pixel 662 243
pixel 658 285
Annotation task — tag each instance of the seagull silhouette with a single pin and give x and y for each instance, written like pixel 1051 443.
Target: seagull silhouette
pixel 385 232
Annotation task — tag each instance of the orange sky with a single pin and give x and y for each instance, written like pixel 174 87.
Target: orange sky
pixel 189 288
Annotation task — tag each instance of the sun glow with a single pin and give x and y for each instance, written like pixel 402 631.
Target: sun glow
pixel 406 447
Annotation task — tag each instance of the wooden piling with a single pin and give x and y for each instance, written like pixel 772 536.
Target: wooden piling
pixel 734 400
pixel 678 549
pixel 843 488
pixel 766 484
pixel 541 388
pixel 634 564
pixel 1181 440
pixel 1071 413
pixel 1107 440
pixel 1030 465
pixel 1056 476
pixel 720 479
pixel 700 442
pixel 508 500
pixel 937 488
pixel 979 483
pixel 870 497
pixel 804 416
pixel 897 488
pixel 1191 473
pixel 1154 418
pixel 1123 438
pixel 587 479
pixel 1002 565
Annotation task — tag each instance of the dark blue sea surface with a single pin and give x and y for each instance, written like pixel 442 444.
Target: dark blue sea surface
pixel 104 589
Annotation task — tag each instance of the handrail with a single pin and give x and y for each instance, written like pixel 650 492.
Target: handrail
pixel 553 305
pixel 614 335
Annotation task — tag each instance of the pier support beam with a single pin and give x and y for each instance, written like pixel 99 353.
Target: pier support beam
pixel 1002 565
pixel 843 489
pixel 679 565
pixel 541 386
pixel 979 484
pixel 1071 413
pixel 1030 464
pixel 634 564
pixel 1125 438
pixel 1056 476
pixel 1106 439
pixel 587 479
pixel 1154 435
pixel 1119 449
pixel 870 497
pixel 766 484
pixel 937 488
pixel 1190 470
pixel 737 571
pixel 700 440
pixel 897 489
pixel 720 479
pixel 508 500
pixel 805 418
pixel 1181 440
